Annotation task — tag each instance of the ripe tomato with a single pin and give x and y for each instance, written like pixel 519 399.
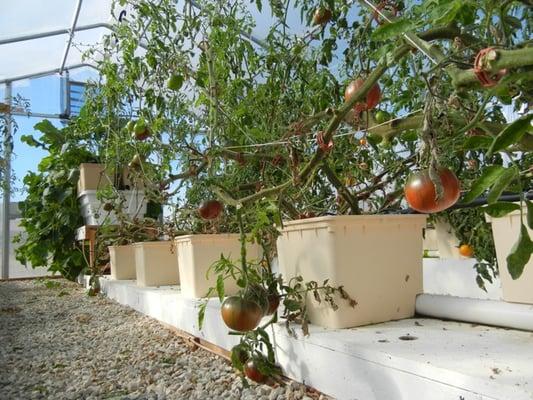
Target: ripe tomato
pixel 252 372
pixel 321 16
pixel 421 195
pixel 363 141
pixel 372 97
pixel 210 209
pixel 240 314
pixel 307 214
pixel 471 164
pixel 466 250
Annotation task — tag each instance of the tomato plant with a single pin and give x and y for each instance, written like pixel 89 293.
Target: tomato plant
pixel 259 125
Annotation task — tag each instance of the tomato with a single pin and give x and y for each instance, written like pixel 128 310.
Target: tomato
pixel 472 164
pixel 273 303
pixel 141 131
pixel 108 207
pixel 175 82
pixel 252 372
pixel 421 195
pixel 142 135
pixel 321 16
pixel 240 314
pixel 372 97
pixel 307 214
pixel 466 250
pixel 382 117
pixel 363 141
pixel 210 209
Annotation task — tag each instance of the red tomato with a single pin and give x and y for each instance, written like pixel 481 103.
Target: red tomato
pixel 421 195
pixel 372 97
pixel 210 209
pixel 321 16
pixel 252 372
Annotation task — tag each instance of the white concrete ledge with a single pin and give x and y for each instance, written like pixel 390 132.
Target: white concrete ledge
pixel 448 360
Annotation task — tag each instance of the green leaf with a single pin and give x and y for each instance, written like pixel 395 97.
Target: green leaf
pixel 291 305
pixel 486 180
pixel 511 134
pixel 201 314
pixel 520 254
pixel 499 186
pixel 477 142
pixel 392 29
pixel 529 205
pixel 220 288
pixel 30 141
pixel 500 209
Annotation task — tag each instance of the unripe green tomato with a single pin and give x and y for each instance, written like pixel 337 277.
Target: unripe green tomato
pixel 175 82
pixel 140 127
pixel 382 116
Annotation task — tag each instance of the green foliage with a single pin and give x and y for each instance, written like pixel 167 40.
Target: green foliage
pixel 50 212
pixel 243 121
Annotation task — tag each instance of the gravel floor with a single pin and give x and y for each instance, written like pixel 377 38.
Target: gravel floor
pixel 58 343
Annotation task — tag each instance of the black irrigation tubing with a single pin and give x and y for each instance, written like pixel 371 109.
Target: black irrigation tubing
pixel 480 201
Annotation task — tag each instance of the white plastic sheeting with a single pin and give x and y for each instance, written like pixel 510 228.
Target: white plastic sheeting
pixel 34 34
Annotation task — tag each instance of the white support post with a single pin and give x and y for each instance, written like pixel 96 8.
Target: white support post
pixel 8 140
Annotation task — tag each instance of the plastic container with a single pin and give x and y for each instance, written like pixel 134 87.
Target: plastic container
pixel 122 260
pixel 196 254
pixel 376 258
pixel 93 213
pixel 156 264
pixel 94 176
pixel 505 231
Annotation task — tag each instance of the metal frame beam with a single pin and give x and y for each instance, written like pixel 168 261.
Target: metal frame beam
pixel 45 73
pixel 71 33
pixel 6 185
pixel 41 35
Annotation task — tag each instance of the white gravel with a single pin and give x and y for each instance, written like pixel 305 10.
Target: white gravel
pixel 58 343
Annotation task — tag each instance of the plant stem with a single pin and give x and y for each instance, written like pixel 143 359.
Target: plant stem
pixel 242 239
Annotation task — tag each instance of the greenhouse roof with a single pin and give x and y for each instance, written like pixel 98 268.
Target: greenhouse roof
pixel 47 37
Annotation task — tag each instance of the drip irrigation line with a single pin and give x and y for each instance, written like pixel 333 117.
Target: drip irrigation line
pixel 283 142
pixel 480 201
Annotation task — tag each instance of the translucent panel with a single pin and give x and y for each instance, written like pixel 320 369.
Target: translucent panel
pixel 32 56
pixel 95 11
pixel 22 17
pixel 36 17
